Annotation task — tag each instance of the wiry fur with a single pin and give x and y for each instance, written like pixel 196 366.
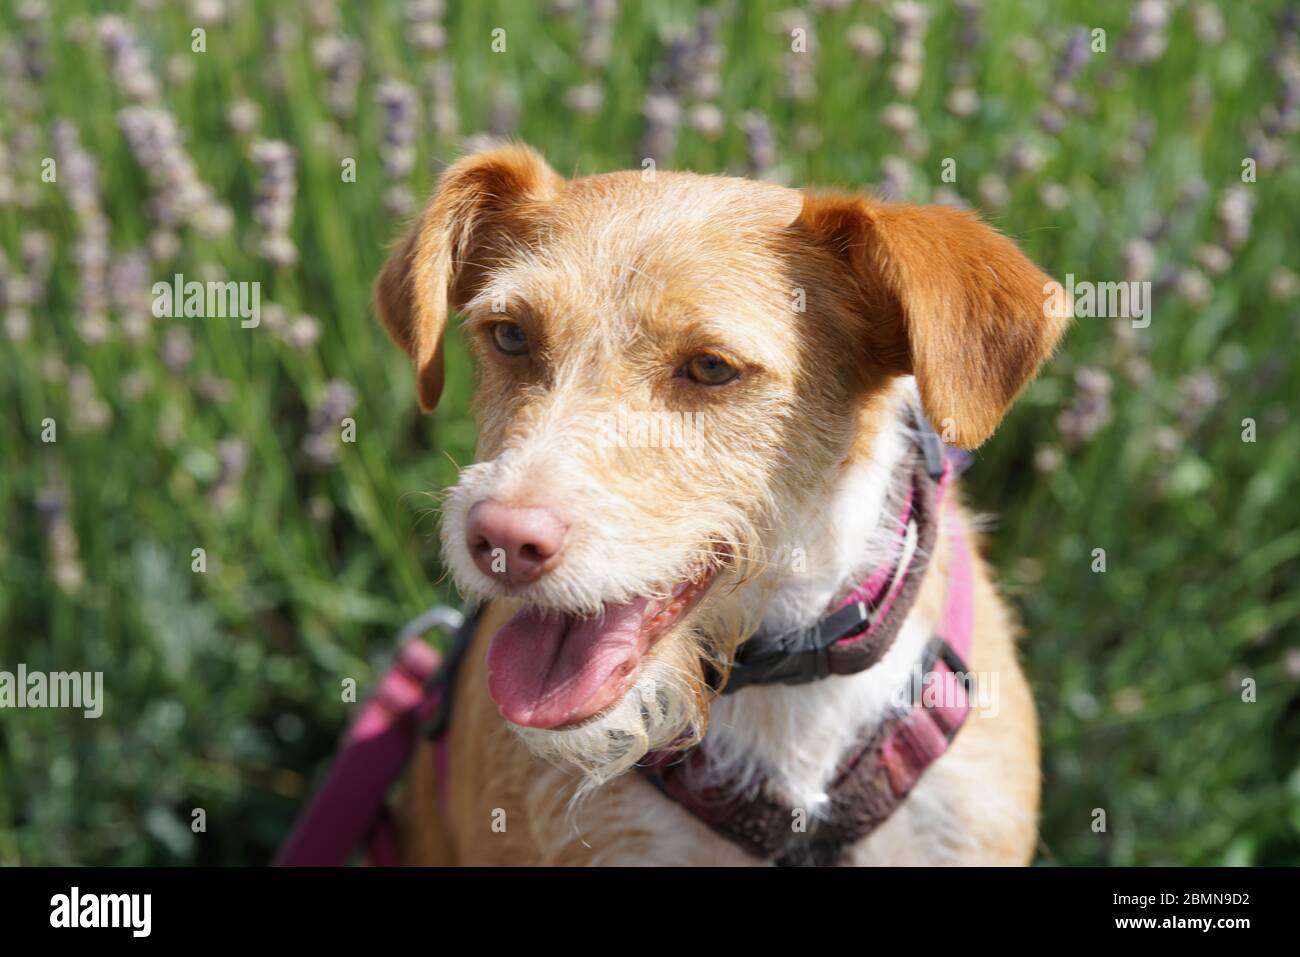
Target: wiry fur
pixel 617 280
pixel 658 710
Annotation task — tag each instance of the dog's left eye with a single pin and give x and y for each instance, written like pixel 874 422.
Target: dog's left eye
pixel 510 338
pixel 708 369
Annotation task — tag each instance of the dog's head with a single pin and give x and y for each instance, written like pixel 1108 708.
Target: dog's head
pixel 673 371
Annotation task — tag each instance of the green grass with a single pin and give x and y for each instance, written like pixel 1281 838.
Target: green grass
pixel 223 687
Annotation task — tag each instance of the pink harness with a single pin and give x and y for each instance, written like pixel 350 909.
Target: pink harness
pixel 413 697
pixel 875 775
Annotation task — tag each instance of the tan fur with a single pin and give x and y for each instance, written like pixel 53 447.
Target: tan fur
pixel 617 280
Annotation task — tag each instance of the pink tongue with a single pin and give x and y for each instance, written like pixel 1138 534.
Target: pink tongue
pixel 549 671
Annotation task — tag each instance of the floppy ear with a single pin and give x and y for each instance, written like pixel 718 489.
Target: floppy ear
pixel 945 298
pixel 441 259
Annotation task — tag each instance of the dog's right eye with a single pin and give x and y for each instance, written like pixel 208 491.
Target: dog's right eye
pixel 510 338
pixel 710 370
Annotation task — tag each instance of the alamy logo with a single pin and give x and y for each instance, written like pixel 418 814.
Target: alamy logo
pixel 632 429
pixel 54 689
pixel 1098 300
pixel 103 910
pixel 978 691
pixel 211 300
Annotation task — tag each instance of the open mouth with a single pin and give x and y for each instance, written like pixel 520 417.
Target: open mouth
pixel 553 670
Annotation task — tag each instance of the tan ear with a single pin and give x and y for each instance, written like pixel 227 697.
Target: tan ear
pixel 945 298
pixel 458 235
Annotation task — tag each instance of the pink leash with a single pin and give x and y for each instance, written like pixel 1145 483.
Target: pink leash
pixel 350 807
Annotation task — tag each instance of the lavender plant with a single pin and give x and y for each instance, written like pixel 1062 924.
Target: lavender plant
pixel 181 507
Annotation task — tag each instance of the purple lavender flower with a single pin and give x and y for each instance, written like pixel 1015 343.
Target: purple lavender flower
pixel 1139 260
pixel 503 115
pixel 707 120
pixel 1283 284
pixel 179 197
pixel 398 149
pixel 895 178
pixel 598 32
pixel 1197 394
pixel 1146 39
pixel 232 462
pixel 38 258
pixel 340 57
pixel 1090 411
pixel 243 116
pixel 177 350
pixel 321 443
pixel 89 412
pixel 866 42
pixel 760 143
pixel 585 99
pixel 80 182
pixel 1207 21
pixel 1235 210
pixel 303 332
pixel 276 188
pixel 663 116
pixel 129 285
pixel 127 60
pixel 424 28
pixel 905 73
pixel 705 82
pixel 442 93
pixel 65 562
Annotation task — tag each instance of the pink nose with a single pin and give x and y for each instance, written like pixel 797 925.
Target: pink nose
pixel 515 543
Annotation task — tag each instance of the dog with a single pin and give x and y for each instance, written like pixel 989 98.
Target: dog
pixel 807 339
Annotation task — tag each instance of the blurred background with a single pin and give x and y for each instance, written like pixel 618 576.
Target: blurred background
pixel 1172 447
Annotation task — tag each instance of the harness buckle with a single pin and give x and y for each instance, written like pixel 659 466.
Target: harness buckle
pixel 799 656
pixel 931 446
pixel 461 633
